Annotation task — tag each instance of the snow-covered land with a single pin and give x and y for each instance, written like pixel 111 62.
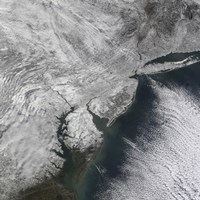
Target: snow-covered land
pixel 57 54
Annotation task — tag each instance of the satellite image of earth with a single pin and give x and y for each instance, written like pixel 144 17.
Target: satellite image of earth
pixel 99 99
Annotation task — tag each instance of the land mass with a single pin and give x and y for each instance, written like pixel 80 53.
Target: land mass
pixel 56 55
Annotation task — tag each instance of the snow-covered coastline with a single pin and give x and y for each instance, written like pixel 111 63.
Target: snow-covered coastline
pixel 59 54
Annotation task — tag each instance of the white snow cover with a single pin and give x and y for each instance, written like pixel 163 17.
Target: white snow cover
pixel 169 167
pixel 55 54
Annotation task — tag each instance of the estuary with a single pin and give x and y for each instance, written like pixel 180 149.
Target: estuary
pixel 152 150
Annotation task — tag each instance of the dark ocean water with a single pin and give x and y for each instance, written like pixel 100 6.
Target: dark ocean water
pixel 175 57
pixel 110 159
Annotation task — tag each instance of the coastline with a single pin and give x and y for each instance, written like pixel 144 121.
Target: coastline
pixel 95 158
pixel 102 124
